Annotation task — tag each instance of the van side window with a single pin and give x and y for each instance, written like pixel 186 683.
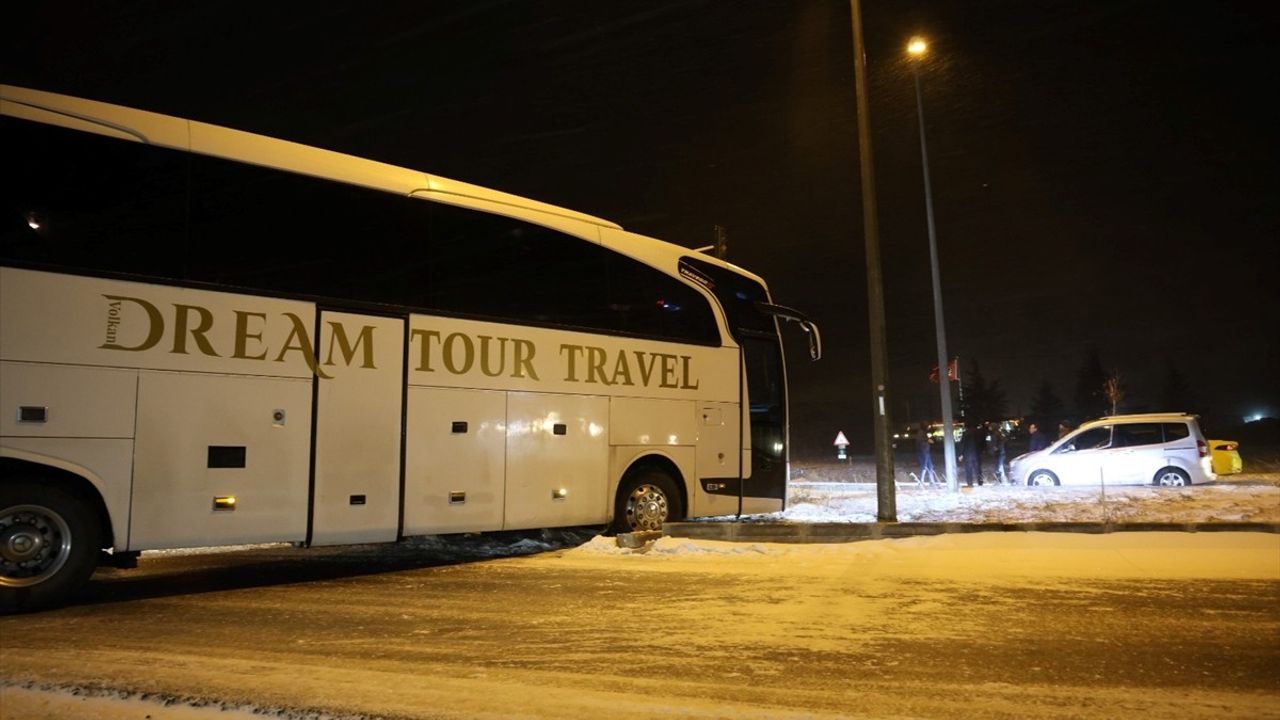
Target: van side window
pixel 1136 434
pixel 1175 431
pixel 1093 439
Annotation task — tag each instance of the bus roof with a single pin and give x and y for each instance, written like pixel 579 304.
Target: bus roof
pixel 206 139
pixel 203 138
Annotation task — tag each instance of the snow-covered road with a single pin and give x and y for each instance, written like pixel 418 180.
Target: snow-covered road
pixel 994 625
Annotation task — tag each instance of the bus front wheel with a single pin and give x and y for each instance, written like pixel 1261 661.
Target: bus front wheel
pixel 49 540
pixel 647 498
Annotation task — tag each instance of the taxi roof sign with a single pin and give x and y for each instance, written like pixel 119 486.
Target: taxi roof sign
pixel 841 439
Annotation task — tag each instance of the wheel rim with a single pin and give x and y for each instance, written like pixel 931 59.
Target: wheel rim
pixel 646 508
pixel 1041 479
pixel 1171 479
pixel 35 543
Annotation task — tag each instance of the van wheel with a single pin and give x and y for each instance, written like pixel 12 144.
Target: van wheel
pixel 1042 477
pixel 1171 477
pixel 647 498
pixel 49 542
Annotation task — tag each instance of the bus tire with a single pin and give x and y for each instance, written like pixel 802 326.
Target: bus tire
pixel 49 543
pixel 647 498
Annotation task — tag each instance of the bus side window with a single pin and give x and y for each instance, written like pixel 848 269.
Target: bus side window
pixel 267 229
pixel 498 267
pixel 83 201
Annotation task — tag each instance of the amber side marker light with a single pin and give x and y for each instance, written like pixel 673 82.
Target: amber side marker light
pixel 224 502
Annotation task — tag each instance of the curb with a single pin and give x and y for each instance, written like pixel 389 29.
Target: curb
pixel 852 532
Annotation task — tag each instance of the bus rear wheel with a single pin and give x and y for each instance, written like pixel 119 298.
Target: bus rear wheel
pixel 647 498
pixel 49 542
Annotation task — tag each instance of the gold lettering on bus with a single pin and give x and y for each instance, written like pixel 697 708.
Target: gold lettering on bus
pixel 524 351
pixel 570 353
pixel 461 342
pixel 456 353
pixel 685 362
pixel 668 371
pixel 596 358
pixel 424 348
pixel 486 355
pixel 622 371
pixel 180 319
pixel 243 336
pixel 338 339
pixel 115 309
pixel 673 371
pixel 300 341
pixel 646 369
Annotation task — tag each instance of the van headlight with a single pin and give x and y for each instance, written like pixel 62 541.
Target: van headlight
pixel 1015 465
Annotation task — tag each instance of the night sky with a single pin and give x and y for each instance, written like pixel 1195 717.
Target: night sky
pixel 1104 173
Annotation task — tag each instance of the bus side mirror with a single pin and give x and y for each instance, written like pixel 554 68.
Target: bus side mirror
pixel 795 316
pixel 815 340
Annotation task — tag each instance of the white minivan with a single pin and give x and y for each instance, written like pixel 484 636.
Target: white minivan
pixel 1152 449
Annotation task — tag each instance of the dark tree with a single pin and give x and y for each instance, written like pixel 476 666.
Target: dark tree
pixel 1091 398
pixel 973 389
pixel 1176 394
pixel 997 403
pixel 983 400
pixel 1046 407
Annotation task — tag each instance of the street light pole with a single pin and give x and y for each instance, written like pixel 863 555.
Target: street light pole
pixel 917 49
pixel 886 497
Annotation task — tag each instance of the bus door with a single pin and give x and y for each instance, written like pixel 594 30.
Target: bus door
pixel 359 399
pixel 766 392
pixel 766 399
pixel 752 320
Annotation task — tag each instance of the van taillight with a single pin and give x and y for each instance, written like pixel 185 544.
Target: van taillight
pixel 1202 447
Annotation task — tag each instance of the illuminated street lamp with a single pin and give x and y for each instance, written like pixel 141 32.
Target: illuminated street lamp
pixel 916 50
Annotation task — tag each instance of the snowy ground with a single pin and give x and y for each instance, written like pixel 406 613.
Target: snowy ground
pixel 821 599
pixel 836 492
pixel 862 630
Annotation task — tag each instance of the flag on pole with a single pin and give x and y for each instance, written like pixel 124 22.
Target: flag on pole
pixel 953 371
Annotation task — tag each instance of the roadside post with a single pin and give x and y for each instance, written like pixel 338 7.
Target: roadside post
pixel 842 446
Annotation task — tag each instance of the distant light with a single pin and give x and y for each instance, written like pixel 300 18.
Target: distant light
pixel 917 46
pixel 33 221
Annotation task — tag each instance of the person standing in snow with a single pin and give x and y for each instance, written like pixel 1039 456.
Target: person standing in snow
pixel 925 451
pixel 969 455
pixel 1038 439
pixel 996 446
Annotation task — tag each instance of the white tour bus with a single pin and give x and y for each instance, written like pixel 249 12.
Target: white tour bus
pixel 210 337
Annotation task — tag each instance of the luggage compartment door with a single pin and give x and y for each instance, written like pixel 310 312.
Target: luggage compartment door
pixel 358 429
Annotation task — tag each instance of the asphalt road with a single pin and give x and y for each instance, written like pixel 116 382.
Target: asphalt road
pixel 438 633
